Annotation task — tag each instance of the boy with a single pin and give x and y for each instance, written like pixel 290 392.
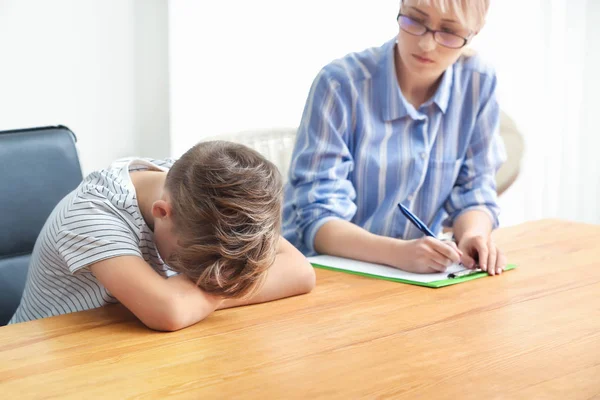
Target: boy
pixel 209 222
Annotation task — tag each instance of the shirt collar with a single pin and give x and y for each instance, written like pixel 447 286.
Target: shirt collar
pixel 442 94
pixel 394 105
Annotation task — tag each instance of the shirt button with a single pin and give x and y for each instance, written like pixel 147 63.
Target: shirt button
pixel 410 197
pixel 423 155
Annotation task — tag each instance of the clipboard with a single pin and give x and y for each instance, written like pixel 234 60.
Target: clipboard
pixel 387 273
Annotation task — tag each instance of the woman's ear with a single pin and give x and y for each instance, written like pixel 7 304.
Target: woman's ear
pixel 161 209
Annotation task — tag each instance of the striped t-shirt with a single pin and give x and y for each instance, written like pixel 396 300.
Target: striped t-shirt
pixel 98 220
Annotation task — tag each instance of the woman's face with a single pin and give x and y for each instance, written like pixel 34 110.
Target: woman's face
pixel 422 55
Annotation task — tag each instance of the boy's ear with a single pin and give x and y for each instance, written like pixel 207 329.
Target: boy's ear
pixel 161 209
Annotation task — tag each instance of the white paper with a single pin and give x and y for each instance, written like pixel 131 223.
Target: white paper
pixel 382 270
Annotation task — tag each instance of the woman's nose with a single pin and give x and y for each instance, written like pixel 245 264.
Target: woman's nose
pixel 427 42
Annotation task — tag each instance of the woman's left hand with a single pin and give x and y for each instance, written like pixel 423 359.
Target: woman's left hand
pixel 482 251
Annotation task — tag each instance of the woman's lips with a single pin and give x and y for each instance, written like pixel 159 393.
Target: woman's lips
pixel 423 60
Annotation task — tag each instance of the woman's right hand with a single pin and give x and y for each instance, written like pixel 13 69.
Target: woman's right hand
pixel 423 256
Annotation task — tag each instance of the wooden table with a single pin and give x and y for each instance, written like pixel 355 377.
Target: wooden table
pixel 531 333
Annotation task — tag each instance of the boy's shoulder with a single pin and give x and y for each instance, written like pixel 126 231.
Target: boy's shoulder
pixel 115 177
pixel 109 192
pixel 103 213
pixel 141 163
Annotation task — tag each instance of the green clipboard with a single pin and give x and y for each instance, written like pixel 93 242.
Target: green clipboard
pixel 318 263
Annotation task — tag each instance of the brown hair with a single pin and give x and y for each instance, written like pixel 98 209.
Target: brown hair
pixel 226 202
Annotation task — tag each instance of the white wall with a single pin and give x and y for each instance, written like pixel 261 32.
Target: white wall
pixel 546 54
pixel 96 66
pixel 238 65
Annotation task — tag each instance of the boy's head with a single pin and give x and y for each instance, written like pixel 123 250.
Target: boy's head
pixel 225 203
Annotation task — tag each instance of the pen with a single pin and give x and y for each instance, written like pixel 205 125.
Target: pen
pixel 416 221
pixel 464 272
pixel 422 227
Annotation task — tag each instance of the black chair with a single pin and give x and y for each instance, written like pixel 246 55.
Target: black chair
pixel 38 167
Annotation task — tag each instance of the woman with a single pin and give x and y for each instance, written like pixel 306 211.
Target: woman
pixel 414 121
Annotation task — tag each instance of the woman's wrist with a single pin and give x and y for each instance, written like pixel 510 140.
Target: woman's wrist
pixel 389 251
pixel 470 234
pixel 471 224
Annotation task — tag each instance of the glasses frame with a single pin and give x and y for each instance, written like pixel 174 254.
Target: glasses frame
pixel 433 31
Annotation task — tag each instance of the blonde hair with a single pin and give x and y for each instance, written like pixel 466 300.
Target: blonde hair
pixel 226 201
pixel 470 13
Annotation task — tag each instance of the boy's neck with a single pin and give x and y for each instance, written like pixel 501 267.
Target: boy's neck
pixel 149 187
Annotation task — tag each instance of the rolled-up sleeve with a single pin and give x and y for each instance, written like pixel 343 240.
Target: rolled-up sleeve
pixel 321 161
pixel 475 187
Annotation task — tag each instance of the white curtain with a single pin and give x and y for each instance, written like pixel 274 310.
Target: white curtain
pixel 547 56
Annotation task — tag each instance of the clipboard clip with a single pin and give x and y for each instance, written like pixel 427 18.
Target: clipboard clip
pixel 464 272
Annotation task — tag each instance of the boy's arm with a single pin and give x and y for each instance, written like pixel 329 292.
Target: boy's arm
pixel 175 303
pixel 161 304
pixel 290 275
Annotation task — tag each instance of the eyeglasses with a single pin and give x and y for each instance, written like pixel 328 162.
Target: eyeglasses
pixel 415 28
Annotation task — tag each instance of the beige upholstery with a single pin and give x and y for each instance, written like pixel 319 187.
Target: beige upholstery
pixel 515 146
pixel 277 145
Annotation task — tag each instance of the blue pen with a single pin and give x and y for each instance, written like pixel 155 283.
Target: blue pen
pixel 423 228
pixel 416 221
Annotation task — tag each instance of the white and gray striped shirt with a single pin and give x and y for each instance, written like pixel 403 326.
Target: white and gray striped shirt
pixel 100 219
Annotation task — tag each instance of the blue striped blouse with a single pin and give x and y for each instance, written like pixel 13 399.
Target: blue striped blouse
pixel 362 148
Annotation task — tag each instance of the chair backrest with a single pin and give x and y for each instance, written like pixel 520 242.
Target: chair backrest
pixel 515 148
pixel 276 145
pixel 38 167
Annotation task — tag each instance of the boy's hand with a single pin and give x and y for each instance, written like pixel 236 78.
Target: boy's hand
pixel 425 255
pixel 482 251
pixel 291 274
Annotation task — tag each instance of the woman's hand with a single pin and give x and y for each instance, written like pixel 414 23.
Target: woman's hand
pixel 423 256
pixel 482 251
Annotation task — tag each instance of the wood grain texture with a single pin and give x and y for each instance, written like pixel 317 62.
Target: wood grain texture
pixel 530 333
